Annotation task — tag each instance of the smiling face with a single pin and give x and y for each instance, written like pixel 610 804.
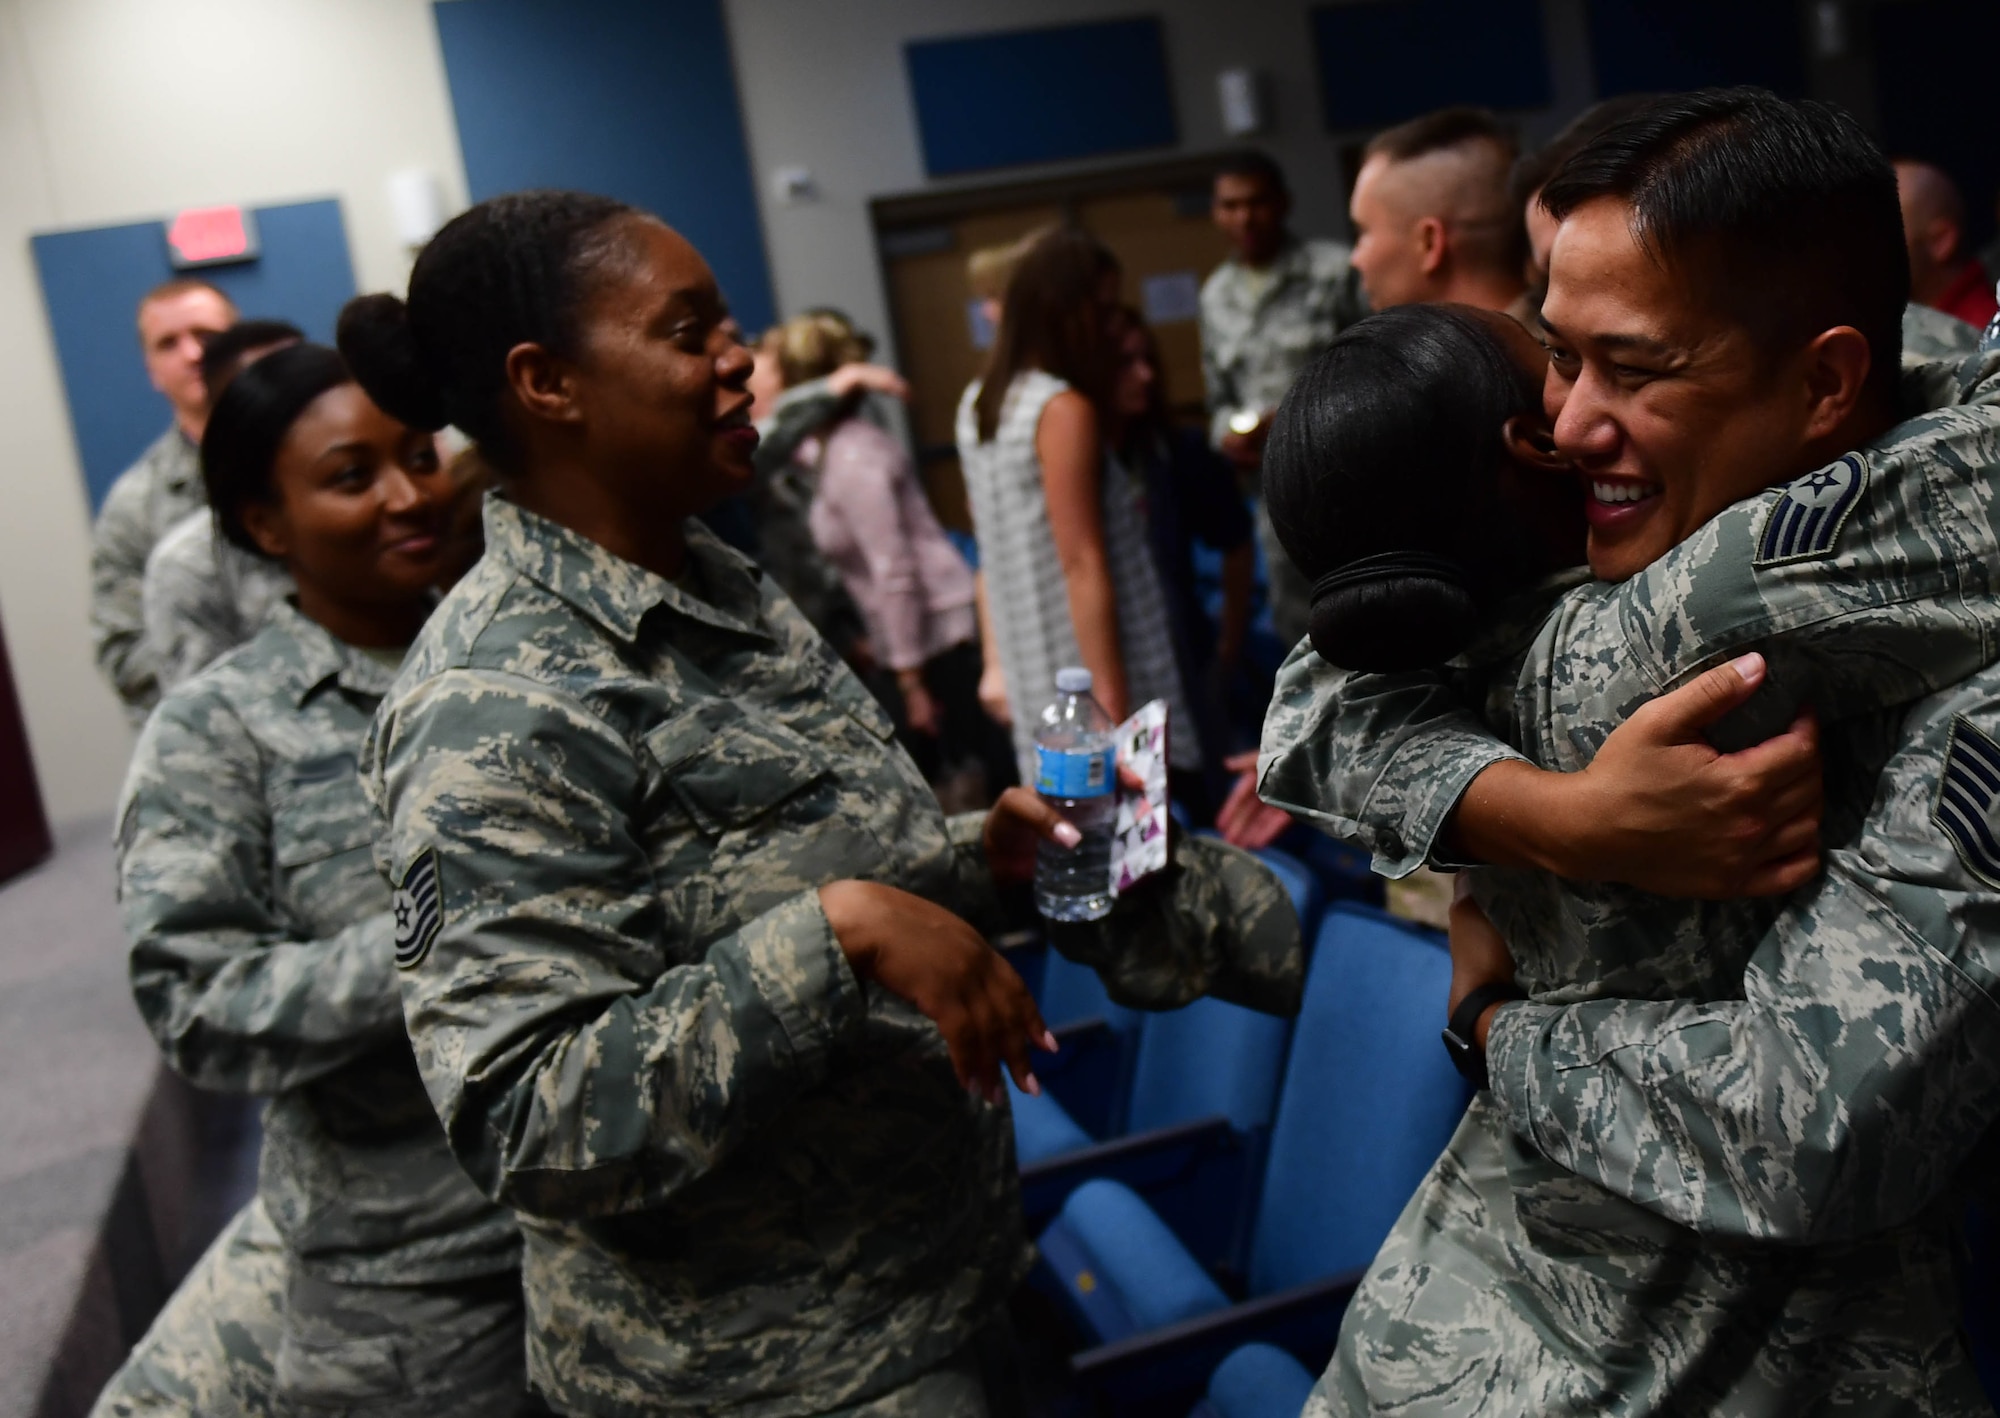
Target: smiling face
pixel 361 511
pixel 1668 410
pixel 659 387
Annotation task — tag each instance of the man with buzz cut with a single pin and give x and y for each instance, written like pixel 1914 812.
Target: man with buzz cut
pixel 1722 1146
pixel 162 488
pixel 1433 216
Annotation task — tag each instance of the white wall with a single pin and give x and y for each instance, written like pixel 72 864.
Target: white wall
pixel 823 86
pixel 122 110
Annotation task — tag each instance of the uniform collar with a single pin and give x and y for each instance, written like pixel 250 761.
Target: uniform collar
pixel 615 593
pixel 179 457
pixel 311 658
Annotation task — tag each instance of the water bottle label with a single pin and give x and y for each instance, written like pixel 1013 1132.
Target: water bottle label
pixel 1072 775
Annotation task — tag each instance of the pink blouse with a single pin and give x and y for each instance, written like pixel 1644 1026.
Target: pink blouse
pixel 871 519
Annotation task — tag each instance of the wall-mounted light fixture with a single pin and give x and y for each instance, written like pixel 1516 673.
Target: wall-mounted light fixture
pixel 416 205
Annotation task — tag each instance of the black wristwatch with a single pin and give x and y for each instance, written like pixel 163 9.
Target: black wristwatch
pixel 1466 1055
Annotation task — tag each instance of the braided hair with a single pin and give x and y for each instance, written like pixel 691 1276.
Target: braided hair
pixel 512 270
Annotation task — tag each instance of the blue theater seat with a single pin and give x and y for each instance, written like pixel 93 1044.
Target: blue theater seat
pixel 1369 1100
pixel 1091 1071
pixel 1204 1089
pixel 1204 1085
pixel 1257 1381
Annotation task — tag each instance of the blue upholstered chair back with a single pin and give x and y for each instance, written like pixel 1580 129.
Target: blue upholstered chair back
pixel 1370 1098
pixel 1208 1059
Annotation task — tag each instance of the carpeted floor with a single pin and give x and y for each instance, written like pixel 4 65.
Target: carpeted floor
pixel 111 1172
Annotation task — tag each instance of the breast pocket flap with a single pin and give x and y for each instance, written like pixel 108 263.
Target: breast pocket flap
pixel 728 766
pixel 317 817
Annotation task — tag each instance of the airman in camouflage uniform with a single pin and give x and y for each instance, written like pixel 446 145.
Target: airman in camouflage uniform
pixel 749 1182
pixel 149 498
pixel 203 597
pixel 1931 335
pixel 1258 330
pixel 1716 1171
pixel 263 962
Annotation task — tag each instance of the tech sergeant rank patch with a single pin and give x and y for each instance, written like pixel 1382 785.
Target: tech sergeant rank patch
pixel 1968 795
pixel 1806 521
pixel 419 910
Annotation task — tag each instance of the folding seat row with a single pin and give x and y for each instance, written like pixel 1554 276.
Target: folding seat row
pixel 1163 1290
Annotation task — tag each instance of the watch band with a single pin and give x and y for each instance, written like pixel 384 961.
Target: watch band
pixel 1461 1031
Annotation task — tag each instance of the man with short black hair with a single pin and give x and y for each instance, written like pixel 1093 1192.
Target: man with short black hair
pixel 1267 309
pixel 1432 216
pixel 1943 274
pixel 157 491
pixel 1744 1199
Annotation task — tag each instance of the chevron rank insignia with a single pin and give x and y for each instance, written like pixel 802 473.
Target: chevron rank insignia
pixel 419 911
pixel 1807 520
pixel 1969 801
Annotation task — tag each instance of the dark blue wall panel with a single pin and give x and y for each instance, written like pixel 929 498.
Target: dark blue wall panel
pixel 1046 95
pixel 1933 74
pixel 91 284
pixel 1382 61
pixel 635 99
pixel 1648 46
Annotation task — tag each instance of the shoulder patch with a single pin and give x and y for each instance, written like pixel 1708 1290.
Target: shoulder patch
pixel 1968 798
pixel 1806 521
pixel 419 908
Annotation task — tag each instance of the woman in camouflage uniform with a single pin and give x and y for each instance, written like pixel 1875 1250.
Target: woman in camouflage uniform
pixel 369 1274
pixel 687 960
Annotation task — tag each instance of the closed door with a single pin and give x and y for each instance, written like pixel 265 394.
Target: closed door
pixel 24 831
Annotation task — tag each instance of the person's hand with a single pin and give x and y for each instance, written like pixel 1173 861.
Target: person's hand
pixel 1660 809
pixel 875 378
pixel 1245 820
pixel 993 694
pixel 1479 956
pixel 923 953
pixel 1015 829
pixel 860 656
pixel 920 711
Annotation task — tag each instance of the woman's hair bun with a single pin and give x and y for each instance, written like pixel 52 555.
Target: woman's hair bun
pixel 381 349
pixel 1396 619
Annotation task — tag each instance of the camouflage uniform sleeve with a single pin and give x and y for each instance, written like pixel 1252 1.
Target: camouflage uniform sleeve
pixel 237 1001
pixel 1843 1092
pixel 575 1075
pixel 119 543
pixel 981 902
pixel 799 410
pixel 1380 761
pixel 1216 922
pixel 185 607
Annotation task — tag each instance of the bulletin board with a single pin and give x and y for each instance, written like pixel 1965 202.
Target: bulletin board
pixel 92 281
pixel 1043 95
pixel 1384 61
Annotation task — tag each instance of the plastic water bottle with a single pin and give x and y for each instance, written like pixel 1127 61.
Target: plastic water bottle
pixel 1076 763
